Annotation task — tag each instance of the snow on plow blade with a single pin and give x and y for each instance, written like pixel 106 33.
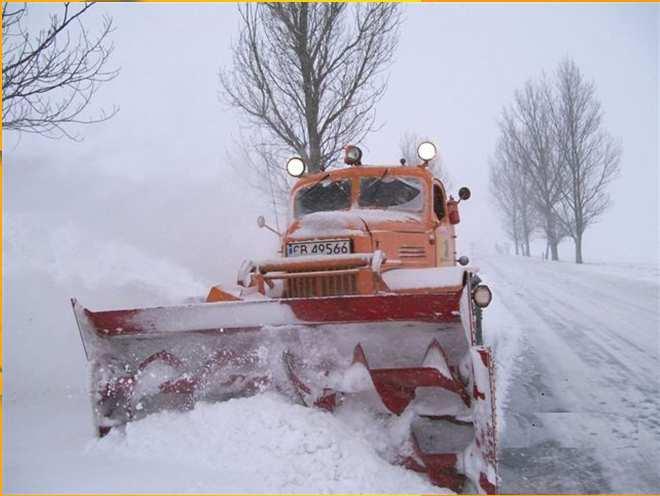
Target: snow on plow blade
pixel 327 351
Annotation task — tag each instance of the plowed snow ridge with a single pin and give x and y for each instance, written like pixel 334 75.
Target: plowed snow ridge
pixel 260 444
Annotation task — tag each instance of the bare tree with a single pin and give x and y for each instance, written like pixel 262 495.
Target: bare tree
pixel 513 196
pixel 308 75
pixel 262 168
pixel 408 148
pixel 50 77
pixel 527 126
pixel 589 155
pixel 504 199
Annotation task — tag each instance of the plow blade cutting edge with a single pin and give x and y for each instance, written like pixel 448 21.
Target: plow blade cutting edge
pixel 396 354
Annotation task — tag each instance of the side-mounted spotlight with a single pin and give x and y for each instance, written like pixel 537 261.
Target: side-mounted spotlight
pixel 352 155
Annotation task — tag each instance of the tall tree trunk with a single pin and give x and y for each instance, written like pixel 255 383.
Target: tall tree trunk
pixel 554 250
pixel 311 98
pixel 526 234
pixel 315 164
pixel 578 249
pixel 551 235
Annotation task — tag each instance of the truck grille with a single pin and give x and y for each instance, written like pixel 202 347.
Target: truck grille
pixel 412 252
pixel 325 285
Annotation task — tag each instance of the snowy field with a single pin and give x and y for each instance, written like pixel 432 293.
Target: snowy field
pixel 577 383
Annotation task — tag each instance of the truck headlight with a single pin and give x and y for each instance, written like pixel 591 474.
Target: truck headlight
pixel 295 166
pixel 482 296
pixel 426 151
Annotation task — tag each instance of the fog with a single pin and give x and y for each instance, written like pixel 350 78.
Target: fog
pixel 155 176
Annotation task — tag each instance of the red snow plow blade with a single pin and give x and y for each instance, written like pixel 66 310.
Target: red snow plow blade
pixel 396 354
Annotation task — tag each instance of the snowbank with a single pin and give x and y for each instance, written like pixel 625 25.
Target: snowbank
pixel 504 334
pixel 261 444
pixel 83 262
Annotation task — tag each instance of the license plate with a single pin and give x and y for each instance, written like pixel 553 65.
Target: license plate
pixel 310 248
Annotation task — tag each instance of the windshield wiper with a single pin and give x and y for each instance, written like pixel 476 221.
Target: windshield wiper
pixel 313 186
pixel 377 181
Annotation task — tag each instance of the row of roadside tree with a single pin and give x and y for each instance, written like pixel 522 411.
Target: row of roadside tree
pixel 553 162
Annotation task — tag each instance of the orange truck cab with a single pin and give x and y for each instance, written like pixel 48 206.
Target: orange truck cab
pixel 362 229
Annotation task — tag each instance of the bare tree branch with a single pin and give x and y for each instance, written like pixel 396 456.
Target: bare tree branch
pixel 588 153
pixel 512 193
pixel 259 163
pixel 49 79
pixel 527 129
pixel 308 75
pixel 554 155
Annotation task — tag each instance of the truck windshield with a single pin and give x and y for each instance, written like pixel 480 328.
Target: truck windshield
pixel 391 192
pixel 323 196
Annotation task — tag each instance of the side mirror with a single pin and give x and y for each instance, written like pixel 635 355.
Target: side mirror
pixel 464 193
pixel 463 260
pixel 261 222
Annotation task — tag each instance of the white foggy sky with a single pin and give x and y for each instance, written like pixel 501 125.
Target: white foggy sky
pixel 156 176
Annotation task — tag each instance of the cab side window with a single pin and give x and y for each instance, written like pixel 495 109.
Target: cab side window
pixel 438 202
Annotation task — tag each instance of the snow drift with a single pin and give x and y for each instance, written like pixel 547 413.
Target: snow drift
pixel 261 444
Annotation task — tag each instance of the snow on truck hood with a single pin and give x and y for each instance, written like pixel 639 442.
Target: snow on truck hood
pixel 347 222
pixel 430 277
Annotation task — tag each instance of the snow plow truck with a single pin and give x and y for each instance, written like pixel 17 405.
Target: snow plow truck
pixel 368 304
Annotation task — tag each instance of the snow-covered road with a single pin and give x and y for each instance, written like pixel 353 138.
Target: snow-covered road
pixel 582 410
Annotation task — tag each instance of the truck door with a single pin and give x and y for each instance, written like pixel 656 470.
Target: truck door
pixel 444 239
